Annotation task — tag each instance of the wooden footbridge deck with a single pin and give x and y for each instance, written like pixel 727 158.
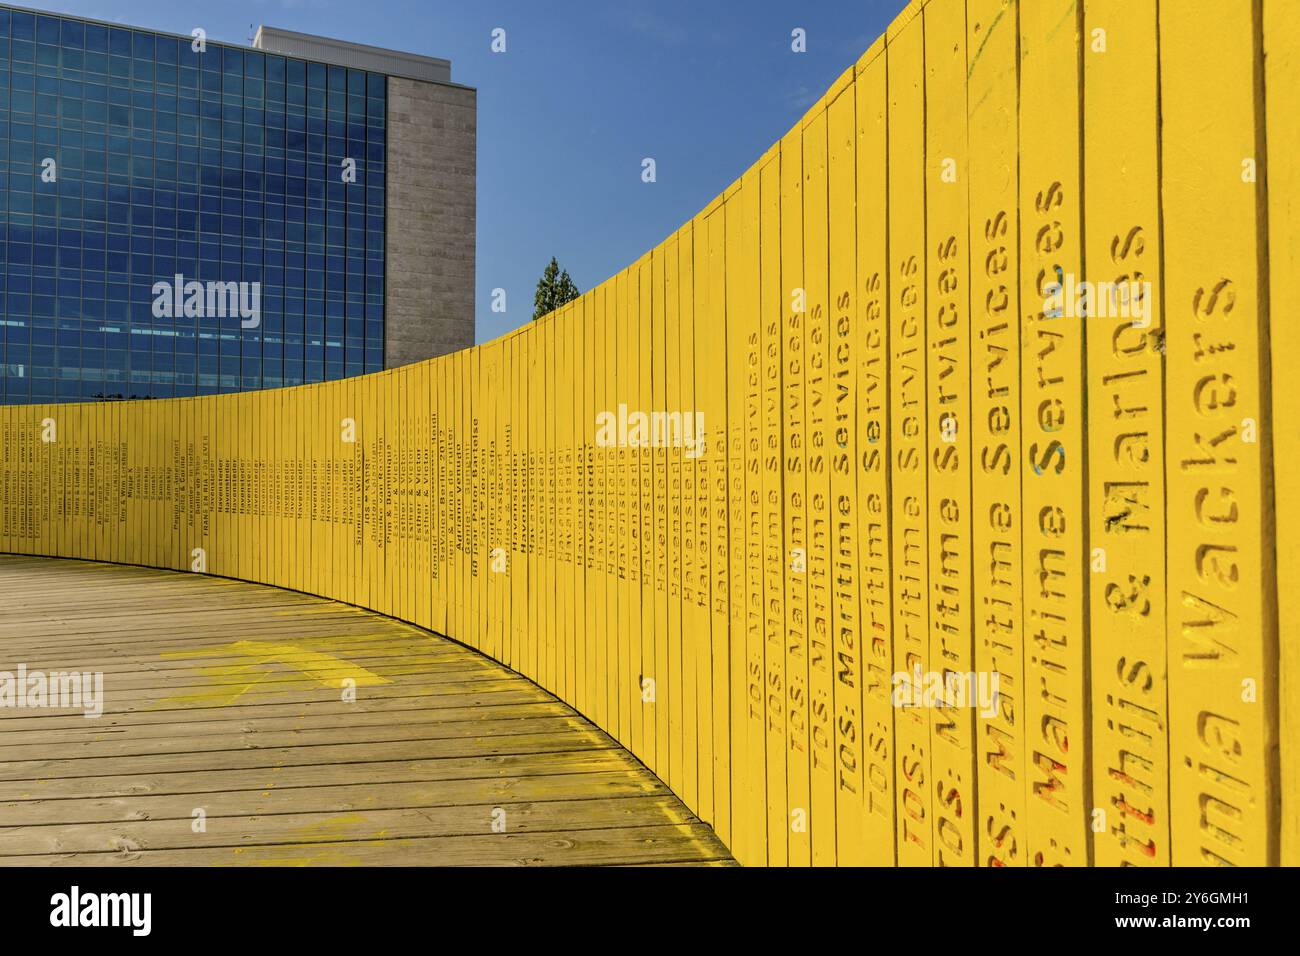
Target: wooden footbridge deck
pixel 247 725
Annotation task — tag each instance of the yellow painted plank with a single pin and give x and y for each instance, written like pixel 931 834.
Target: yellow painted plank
pixel 607 324
pixel 1126 488
pixel 476 516
pixel 362 583
pixel 995 426
pixel 644 559
pixel 948 416
pixel 715 412
pixel 1282 78
pixel 705 371
pixel 408 520
pixel 744 547
pixel 597 626
pixel 841 437
pixel 578 429
pixel 795 485
pixel 1221 615
pixel 426 462
pixel 656 545
pixel 914 805
pixel 1052 469
pixel 817 389
pixel 694 605
pixel 569 339
pixel 552 670
pixel 628 614
pixel 771 451
pixel 341 450
pixel 491 395
pixel 535 655
pixel 673 505
pixel 871 430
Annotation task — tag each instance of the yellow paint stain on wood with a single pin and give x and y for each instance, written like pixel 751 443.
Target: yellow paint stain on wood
pixel 326 669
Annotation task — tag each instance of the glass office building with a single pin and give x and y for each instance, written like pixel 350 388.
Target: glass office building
pixel 137 168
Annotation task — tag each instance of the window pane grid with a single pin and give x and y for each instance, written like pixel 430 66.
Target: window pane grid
pixel 130 159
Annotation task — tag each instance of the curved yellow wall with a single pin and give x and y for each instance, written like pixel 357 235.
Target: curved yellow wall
pixel 912 462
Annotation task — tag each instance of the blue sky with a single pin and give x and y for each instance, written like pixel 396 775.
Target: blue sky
pixel 585 90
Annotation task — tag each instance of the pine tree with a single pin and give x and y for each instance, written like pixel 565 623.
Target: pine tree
pixel 554 289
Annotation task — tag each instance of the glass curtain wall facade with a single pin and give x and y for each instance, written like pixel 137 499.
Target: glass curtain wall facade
pixel 127 159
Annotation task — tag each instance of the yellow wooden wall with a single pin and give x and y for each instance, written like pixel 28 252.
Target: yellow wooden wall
pixel 910 461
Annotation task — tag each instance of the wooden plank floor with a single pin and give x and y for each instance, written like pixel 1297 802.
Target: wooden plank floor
pixel 228 698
